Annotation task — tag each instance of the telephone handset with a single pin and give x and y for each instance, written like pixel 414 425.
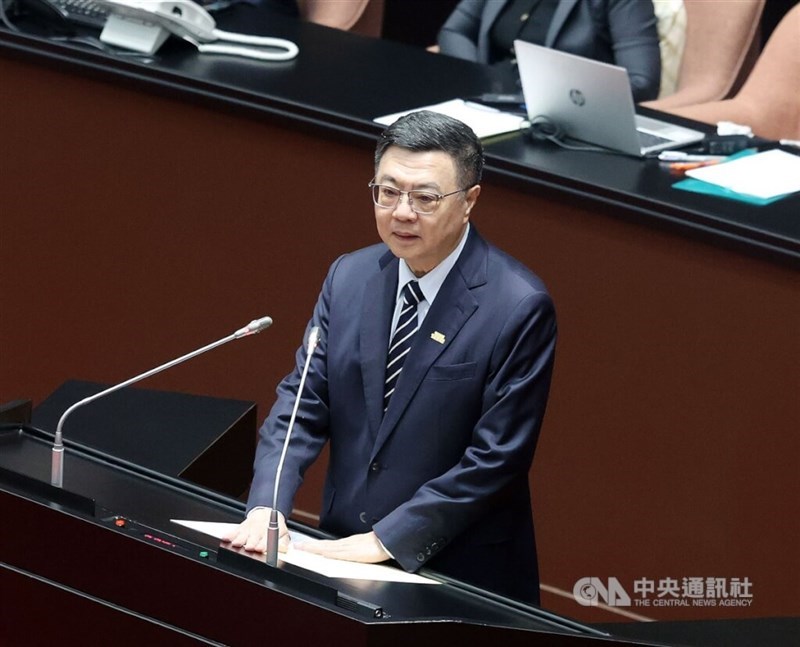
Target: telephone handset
pixel 143 25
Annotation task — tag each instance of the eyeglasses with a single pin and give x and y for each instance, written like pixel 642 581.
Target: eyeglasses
pixel 421 202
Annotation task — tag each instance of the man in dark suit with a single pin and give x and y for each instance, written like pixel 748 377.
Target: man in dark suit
pixel 429 458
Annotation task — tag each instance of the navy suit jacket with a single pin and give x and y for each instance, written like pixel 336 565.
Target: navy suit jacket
pixel 442 477
pixel 621 32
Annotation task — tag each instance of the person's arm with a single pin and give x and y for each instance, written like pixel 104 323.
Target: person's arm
pixel 459 34
pixel 309 435
pixel 634 37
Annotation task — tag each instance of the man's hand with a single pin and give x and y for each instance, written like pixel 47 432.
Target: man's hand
pixel 356 548
pixel 251 534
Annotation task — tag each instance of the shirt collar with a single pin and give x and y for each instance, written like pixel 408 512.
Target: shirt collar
pixel 433 280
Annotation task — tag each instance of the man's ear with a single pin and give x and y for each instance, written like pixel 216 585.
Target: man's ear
pixel 471 197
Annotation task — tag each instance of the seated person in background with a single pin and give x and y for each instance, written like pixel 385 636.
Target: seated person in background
pixel 621 32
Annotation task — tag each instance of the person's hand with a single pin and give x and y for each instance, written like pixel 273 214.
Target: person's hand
pixel 356 548
pixel 251 534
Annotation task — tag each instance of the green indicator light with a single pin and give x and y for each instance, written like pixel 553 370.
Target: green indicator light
pixel 204 554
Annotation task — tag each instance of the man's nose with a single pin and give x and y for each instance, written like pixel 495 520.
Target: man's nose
pixel 403 207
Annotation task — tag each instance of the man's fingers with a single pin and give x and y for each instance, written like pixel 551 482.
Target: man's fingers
pixel 357 548
pixel 251 534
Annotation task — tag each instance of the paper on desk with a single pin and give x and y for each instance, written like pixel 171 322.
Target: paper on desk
pixel 763 175
pixel 484 120
pixel 317 563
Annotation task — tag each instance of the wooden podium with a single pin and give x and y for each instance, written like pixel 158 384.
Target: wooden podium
pixel 101 559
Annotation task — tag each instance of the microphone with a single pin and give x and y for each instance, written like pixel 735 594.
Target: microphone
pixel 273 531
pixel 57 464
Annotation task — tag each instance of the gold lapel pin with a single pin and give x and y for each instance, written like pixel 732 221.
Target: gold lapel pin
pixel 437 336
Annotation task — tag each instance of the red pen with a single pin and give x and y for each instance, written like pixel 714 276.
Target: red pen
pixel 682 167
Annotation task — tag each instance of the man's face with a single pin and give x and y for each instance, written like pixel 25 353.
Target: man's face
pixel 423 241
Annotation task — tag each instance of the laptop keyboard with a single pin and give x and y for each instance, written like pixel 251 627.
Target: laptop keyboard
pixel 648 139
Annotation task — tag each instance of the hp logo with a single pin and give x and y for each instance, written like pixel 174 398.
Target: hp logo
pixel 576 96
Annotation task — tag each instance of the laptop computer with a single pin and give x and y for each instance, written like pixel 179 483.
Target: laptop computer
pixel 592 102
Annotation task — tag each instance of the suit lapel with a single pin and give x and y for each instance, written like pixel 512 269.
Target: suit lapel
pixel 490 13
pixel 453 306
pixel 376 320
pixel 560 16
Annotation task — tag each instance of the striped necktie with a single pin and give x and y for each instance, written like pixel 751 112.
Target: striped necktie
pixel 403 336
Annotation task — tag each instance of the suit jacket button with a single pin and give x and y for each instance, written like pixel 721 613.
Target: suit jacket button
pixel 363 517
pixel 420 557
pixel 375 467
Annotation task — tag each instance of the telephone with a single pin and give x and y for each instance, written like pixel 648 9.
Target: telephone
pixel 143 26
pixel 59 15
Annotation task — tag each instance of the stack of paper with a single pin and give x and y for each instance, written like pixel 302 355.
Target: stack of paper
pixel 758 179
pixel 484 120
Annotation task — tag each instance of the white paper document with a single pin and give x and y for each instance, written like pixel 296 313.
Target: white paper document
pixel 763 175
pixel 317 563
pixel 484 120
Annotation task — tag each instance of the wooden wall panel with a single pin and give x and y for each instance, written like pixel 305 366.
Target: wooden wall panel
pixel 137 227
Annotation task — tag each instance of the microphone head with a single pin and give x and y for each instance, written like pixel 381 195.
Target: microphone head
pixel 260 324
pixel 254 327
pixel 313 339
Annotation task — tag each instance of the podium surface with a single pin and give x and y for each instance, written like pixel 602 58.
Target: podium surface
pixel 126 557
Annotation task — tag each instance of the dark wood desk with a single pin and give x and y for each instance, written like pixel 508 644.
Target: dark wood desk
pixel 149 209
pixel 122 568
